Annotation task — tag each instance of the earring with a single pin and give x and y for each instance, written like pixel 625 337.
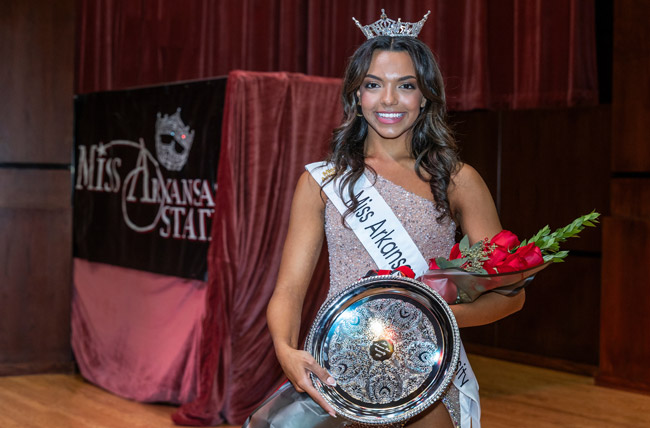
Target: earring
pixel 359 111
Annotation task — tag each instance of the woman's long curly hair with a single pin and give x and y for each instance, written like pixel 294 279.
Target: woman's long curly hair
pixel 432 145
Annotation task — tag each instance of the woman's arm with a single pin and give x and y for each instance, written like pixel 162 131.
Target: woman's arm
pixel 473 208
pixel 299 257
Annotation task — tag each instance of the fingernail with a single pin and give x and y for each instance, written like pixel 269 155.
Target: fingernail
pixel 331 381
pixel 332 414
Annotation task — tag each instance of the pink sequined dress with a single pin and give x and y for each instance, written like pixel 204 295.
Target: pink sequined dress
pixel 349 260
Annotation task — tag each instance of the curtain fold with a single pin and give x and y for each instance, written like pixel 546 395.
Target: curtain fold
pixel 273 125
pixel 497 54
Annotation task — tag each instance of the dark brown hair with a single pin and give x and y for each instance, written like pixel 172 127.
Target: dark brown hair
pixel 432 146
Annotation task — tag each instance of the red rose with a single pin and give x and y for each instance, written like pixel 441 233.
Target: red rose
pixel 497 255
pixel 406 271
pixel 524 258
pixel 506 239
pixel 455 252
pixel 489 268
pixel 531 254
pixel 433 265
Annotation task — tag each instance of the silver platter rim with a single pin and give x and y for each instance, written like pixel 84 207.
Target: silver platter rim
pixel 355 292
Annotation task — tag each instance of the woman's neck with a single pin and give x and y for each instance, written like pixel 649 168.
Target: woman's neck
pixel 380 149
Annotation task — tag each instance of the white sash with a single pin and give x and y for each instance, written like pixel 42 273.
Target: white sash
pixel 374 223
pixel 390 246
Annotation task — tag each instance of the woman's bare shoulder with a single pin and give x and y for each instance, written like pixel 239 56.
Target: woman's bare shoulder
pixel 472 205
pixel 466 175
pixel 308 191
pixel 465 183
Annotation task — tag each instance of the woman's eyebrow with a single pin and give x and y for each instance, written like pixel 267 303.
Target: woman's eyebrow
pixel 372 76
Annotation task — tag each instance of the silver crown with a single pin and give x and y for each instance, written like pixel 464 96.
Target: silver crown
pixel 173 150
pixel 388 27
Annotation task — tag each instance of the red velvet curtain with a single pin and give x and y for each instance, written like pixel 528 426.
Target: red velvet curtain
pixel 493 53
pixel 273 125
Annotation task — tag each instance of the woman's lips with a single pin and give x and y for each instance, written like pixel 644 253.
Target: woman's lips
pixel 389 117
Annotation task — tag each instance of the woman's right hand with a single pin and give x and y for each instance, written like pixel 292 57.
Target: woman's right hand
pixel 297 365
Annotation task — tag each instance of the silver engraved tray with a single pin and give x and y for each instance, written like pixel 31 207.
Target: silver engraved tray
pixel 391 343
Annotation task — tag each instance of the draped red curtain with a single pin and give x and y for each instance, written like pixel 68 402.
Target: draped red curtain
pixel 272 127
pixel 493 53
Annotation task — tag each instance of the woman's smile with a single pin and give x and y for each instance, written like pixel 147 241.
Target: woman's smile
pixel 389 117
pixel 389 95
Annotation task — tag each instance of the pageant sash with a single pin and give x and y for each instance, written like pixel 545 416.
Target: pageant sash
pixel 470 403
pixel 373 222
pixel 376 226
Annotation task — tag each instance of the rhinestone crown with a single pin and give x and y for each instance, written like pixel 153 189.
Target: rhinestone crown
pixel 388 27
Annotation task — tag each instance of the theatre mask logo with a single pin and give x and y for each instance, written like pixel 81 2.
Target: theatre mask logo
pixel 173 208
pixel 173 141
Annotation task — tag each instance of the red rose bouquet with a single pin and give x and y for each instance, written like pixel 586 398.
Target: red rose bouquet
pixel 502 264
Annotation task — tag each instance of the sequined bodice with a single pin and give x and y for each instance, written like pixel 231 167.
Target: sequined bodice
pixel 349 260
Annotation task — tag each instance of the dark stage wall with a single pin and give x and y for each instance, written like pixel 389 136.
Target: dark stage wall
pixel 36 46
pixel 625 309
pixel 545 167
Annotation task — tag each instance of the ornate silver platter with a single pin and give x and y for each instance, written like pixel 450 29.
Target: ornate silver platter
pixel 391 343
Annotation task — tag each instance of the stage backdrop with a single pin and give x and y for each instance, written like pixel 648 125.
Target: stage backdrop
pixel 145 171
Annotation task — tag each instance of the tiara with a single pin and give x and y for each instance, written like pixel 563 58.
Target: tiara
pixel 388 27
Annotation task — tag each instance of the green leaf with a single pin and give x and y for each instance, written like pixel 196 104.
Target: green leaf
pixel 549 243
pixel 464 244
pixel 555 258
pixel 541 234
pixel 478 245
pixel 443 263
pixel 457 262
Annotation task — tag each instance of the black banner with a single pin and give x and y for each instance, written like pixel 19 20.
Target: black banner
pixel 145 171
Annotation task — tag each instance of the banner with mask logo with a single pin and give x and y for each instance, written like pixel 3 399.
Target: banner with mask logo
pixel 144 179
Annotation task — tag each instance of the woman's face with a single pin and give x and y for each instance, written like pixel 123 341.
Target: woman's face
pixel 389 96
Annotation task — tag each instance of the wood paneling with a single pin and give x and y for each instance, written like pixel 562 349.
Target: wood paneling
pixel 36 47
pixel 477 133
pixel 36 78
pixel 625 316
pixel 561 316
pixel 25 189
pixel 559 324
pixel 625 307
pixel 630 197
pixel 631 86
pixel 35 272
pixel 555 168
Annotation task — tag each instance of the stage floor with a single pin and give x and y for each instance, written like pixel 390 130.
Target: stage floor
pixel 512 395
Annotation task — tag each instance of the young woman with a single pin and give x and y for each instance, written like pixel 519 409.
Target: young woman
pixel 394 131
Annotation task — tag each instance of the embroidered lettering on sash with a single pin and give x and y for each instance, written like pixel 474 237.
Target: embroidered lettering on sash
pixel 374 222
